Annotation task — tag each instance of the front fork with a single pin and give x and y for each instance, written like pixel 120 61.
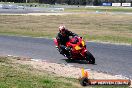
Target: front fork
pixel 83 53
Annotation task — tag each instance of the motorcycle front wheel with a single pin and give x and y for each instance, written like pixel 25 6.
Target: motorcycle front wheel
pixel 90 58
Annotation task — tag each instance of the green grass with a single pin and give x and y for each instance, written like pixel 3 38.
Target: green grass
pixel 100 27
pixel 14 75
pixel 101 9
pixel 24 76
pixel 115 39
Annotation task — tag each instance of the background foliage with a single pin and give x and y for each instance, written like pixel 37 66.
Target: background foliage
pixel 69 2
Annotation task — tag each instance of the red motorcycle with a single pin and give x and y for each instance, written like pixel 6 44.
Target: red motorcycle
pixel 78 49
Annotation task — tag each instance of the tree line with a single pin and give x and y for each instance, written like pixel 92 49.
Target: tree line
pixel 69 2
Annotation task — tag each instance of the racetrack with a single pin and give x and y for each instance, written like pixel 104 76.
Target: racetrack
pixel 58 10
pixel 110 58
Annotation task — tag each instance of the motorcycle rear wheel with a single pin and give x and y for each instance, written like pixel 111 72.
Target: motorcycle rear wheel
pixel 90 58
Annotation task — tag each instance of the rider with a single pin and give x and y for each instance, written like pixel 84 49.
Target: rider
pixel 62 38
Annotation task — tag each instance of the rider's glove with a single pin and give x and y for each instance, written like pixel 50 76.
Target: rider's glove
pixel 68 48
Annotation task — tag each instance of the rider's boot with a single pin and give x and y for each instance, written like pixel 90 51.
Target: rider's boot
pixel 68 55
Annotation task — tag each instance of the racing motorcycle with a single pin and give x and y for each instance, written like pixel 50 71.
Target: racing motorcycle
pixel 78 50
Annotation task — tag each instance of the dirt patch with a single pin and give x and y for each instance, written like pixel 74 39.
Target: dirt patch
pixel 62 69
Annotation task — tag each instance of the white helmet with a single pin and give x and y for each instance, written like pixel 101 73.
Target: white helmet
pixel 62 28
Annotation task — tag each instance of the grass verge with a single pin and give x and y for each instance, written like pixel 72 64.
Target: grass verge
pixel 102 27
pixel 24 76
pixel 14 75
pixel 101 9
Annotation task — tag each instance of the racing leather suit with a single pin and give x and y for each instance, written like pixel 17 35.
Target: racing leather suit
pixel 62 39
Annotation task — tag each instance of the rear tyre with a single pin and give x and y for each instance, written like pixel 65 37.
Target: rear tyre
pixel 90 58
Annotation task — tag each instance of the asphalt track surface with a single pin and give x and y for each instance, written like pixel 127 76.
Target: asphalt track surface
pixel 110 58
pixel 29 10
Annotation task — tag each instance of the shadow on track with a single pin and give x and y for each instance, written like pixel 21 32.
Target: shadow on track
pixel 77 61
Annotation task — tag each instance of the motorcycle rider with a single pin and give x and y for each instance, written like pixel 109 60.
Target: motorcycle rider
pixel 62 38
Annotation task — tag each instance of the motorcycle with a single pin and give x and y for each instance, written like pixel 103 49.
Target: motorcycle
pixel 77 50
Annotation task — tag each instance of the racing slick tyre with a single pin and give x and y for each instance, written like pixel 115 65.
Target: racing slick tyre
pixel 90 58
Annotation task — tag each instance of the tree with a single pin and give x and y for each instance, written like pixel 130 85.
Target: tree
pixel 97 2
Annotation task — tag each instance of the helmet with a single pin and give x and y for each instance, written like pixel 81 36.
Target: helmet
pixel 62 29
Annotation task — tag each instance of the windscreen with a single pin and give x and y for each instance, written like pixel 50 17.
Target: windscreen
pixel 74 40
